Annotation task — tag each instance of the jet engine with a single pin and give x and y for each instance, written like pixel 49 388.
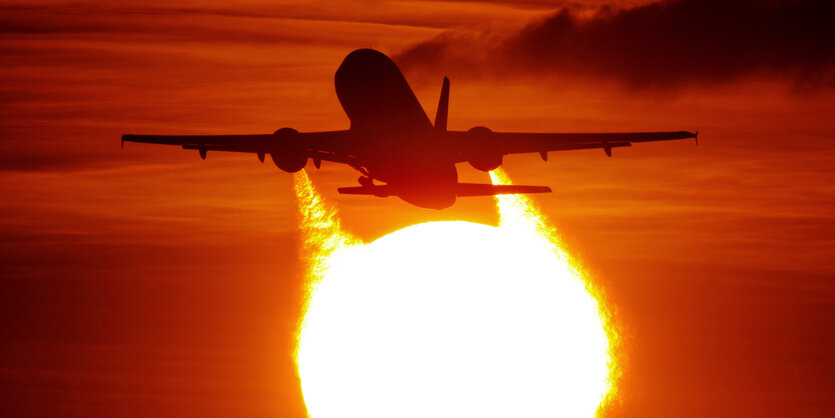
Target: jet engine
pixel 482 157
pixel 291 156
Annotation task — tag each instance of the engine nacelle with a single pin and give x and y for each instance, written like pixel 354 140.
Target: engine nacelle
pixel 481 158
pixel 291 157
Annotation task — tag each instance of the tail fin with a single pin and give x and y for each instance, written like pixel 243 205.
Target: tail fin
pixel 443 107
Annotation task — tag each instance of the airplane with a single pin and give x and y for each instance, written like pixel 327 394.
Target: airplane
pixel 391 140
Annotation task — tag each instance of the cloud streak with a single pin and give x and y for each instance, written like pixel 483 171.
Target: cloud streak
pixel 668 43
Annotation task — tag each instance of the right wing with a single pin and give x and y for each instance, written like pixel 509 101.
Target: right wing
pixel 483 140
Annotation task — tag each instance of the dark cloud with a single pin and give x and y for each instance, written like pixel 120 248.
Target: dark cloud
pixel 239 23
pixel 665 43
pixel 150 24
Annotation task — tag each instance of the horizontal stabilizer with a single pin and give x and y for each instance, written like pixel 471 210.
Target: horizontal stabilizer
pixel 475 189
pixel 461 189
pixel 379 191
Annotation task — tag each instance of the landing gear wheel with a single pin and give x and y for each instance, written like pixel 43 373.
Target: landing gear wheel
pixel 366 181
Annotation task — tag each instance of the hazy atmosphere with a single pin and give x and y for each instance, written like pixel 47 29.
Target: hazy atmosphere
pixel 147 282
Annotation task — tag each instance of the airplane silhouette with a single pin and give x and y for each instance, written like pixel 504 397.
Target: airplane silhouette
pixel 391 140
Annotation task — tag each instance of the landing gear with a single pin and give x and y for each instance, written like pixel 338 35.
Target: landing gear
pixel 366 181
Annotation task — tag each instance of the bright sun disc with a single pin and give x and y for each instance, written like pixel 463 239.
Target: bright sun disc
pixel 452 319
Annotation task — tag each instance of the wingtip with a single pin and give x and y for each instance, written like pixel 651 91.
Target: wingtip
pixel 696 137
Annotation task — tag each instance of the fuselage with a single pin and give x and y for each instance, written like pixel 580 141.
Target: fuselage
pixel 401 147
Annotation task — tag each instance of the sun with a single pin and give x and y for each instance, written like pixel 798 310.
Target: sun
pixel 452 319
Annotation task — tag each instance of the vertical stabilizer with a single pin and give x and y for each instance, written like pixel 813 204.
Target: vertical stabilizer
pixel 443 107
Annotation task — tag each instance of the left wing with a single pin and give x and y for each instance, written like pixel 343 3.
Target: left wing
pixel 334 146
pixel 482 140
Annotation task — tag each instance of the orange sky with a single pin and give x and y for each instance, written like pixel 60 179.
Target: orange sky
pixel 146 282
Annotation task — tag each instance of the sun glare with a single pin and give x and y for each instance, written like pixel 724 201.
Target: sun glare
pixel 449 319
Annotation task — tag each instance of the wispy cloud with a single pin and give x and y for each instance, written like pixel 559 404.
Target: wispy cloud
pixel 667 43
